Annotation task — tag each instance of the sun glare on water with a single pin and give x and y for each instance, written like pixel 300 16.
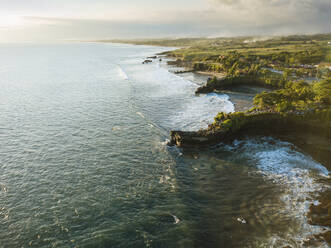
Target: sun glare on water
pixel 10 21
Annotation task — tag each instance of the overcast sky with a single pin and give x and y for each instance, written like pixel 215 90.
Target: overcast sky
pixel 28 20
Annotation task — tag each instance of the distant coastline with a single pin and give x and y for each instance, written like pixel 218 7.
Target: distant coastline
pixel 266 102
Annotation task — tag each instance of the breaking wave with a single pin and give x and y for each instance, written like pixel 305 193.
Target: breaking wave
pixel 201 111
pixel 281 163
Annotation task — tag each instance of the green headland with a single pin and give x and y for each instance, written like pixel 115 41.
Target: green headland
pixel 295 72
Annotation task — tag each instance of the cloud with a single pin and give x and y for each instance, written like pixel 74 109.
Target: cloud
pixel 290 9
pixel 57 29
pixel 274 16
pixel 213 18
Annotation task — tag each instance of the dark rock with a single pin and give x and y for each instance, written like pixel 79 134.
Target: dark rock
pixel 237 126
pixel 147 61
pixel 177 62
pixel 192 139
pixel 228 83
pixel 185 71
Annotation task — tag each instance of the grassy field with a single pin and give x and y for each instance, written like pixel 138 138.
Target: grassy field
pixel 209 49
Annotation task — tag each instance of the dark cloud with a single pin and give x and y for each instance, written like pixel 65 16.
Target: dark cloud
pixel 221 18
pixel 289 6
pixel 275 16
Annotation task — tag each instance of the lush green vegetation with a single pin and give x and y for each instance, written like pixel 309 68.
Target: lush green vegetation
pixel 182 42
pixel 277 63
pixel 296 100
pixel 269 63
pixel 297 56
pixel 297 96
pixel 214 42
pixel 294 106
pixel 253 77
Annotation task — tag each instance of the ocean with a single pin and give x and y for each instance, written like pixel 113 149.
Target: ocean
pixel 84 160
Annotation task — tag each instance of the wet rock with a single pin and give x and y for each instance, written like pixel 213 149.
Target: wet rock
pixel 237 125
pixel 241 220
pixel 320 215
pixel 147 61
pixel 168 218
pixel 189 139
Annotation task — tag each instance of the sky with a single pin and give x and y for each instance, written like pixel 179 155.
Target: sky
pixel 57 20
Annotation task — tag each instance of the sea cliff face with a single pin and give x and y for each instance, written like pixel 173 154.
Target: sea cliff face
pixel 228 83
pixel 237 125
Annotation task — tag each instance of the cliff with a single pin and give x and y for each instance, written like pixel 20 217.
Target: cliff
pixel 237 125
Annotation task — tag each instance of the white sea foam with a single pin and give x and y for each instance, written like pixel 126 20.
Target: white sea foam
pixel 186 111
pixel 200 111
pixel 241 220
pixel 277 157
pixel 121 73
pixel 281 163
pixel 141 115
pixel 159 81
pixel 175 219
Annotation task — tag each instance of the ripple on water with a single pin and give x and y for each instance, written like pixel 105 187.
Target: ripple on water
pixel 83 162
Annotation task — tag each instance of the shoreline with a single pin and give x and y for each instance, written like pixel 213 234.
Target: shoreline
pixel 314 145
pixel 219 75
pixel 242 98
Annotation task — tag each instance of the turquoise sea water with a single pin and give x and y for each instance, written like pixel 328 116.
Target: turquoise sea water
pixel 84 161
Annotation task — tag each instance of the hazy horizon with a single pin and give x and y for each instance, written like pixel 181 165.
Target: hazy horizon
pixel 37 20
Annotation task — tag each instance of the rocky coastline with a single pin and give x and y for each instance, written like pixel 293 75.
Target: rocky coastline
pixel 292 127
pixel 242 90
pixel 261 123
pixel 287 109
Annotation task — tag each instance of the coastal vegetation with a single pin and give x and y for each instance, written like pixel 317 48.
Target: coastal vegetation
pixel 295 72
pixel 253 77
pixel 292 106
pixel 297 106
pixel 280 64
pixel 268 63
pixel 293 56
pixel 296 56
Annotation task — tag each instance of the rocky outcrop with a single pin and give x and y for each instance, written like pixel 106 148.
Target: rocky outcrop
pixel 270 124
pixel 191 139
pixel 180 63
pixel 321 215
pixel 228 83
pixel 184 71
pixel 147 61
